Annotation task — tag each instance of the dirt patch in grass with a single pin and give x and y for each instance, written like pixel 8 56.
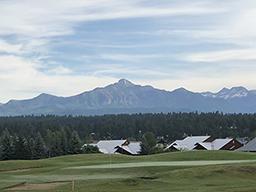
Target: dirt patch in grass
pixel 38 186
pixel 19 170
pixel 131 182
pixel 247 169
pixel 148 178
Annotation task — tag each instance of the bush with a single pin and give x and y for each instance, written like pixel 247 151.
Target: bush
pixel 87 149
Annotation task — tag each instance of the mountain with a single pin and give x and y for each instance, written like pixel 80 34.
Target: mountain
pixel 126 97
pixel 225 93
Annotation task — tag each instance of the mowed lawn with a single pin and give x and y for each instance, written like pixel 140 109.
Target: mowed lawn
pixel 197 171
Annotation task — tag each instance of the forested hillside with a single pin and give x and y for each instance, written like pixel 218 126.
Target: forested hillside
pixel 54 136
pixel 172 125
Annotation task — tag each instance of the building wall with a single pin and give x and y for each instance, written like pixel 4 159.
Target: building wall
pixel 199 147
pixel 232 145
pixel 122 151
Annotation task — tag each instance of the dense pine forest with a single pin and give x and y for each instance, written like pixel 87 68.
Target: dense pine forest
pixel 35 137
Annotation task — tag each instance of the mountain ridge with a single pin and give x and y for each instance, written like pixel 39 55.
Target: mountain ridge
pixel 127 97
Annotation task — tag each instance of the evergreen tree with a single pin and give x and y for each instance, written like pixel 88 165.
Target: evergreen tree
pixel 7 147
pixel 63 142
pixel 1 152
pixel 21 148
pixel 53 144
pixel 89 138
pixel 75 143
pixel 39 149
pixel 148 143
pixel 87 149
pixel 31 147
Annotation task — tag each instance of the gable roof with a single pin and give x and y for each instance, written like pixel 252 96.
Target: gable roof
pixel 188 143
pixel 133 148
pixel 111 146
pixel 249 147
pixel 217 144
pixel 108 146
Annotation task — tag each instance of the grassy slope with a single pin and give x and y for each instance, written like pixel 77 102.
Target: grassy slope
pixel 237 177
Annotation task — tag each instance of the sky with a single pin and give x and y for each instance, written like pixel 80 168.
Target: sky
pixel 70 46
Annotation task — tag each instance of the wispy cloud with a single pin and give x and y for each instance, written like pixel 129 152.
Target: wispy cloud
pixel 222 56
pixel 20 78
pixel 50 46
pixel 51 18
pixel 131 72
pixel 126 58
pixel 9 48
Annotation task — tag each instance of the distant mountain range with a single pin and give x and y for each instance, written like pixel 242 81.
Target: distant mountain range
pixel 126 97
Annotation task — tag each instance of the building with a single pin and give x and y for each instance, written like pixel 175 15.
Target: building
pixel 132 148
pixel 188 143
pixel 249 147
pixel 118 146
pixel 219 144
pixel 204 143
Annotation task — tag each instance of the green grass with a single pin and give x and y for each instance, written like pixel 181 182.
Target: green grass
pixel 198 171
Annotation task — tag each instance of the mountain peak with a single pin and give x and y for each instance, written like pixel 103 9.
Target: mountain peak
pixel 124 83
pixel 238 92
pixel 239 89
pixel 44 95
pixel 225 93
pixel 181 90
pixel 224 90
pixel 125 97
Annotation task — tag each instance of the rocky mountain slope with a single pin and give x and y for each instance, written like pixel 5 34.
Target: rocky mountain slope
pixel 126 97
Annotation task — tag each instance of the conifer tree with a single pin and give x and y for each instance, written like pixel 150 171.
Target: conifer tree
pixel 63 142
pixel 53 144
pixel 21 148
pixel 39 150
pixel 75 143
pixel 148 143
pixel 7 147
pixel 31 147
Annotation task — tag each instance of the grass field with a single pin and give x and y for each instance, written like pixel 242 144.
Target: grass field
pixel 180 171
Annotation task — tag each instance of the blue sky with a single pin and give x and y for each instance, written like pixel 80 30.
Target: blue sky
pixel 68 47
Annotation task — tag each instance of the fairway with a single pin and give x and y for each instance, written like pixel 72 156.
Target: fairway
pixel 198 171
pixel 161 164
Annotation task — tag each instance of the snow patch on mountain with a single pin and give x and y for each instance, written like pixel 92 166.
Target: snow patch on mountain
pixel 225 93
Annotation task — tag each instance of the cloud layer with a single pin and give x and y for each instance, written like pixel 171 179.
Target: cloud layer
pixel 68 47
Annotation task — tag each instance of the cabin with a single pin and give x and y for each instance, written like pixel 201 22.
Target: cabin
pixel 219 144
pixel 204 143
pixel 188 143
pixel 130 148
pixel 249 147
pixel 118 146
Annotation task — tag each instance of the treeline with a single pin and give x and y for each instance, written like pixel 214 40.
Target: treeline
pixel 55 143
pixel 65 135
pixel 172 125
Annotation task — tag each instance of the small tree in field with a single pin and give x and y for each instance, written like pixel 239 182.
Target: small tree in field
pixel 148 143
